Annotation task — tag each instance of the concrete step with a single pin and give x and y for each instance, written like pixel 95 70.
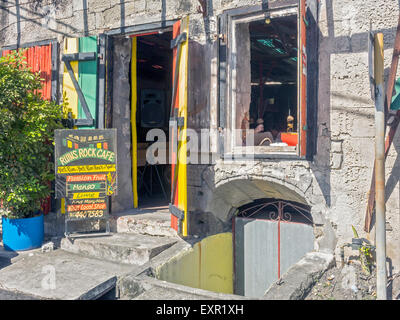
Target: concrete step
pixel 61 275
pixel 134 249
pixel 143 287
pixel 149 221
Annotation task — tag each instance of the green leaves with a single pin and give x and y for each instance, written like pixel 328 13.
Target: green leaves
pixel 27 124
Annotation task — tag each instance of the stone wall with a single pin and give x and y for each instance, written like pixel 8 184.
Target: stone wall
pixel 336 183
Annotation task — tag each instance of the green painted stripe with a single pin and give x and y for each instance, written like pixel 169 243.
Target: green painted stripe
pixel 88 78
pixel 86 186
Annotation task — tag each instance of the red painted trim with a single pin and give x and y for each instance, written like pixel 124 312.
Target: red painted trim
pixel 143 34
pixel 279 248
pixel 234 253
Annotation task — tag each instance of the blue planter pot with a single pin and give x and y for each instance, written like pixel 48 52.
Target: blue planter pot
pixel 23 234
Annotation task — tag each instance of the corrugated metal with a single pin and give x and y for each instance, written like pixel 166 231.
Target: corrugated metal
pixel 38 58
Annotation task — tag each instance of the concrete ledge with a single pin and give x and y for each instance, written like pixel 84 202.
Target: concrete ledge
pixel 142 287
pixel 300 278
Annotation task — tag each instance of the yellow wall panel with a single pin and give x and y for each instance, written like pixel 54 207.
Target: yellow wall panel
pixel 71 45
pixel 208 265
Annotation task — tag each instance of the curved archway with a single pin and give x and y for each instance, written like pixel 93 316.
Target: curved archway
pixel 232 194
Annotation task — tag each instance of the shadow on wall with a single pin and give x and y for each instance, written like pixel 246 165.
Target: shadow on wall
pixel 329 46
pixel 34 12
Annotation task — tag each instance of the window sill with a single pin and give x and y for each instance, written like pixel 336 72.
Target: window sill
pixel 263 152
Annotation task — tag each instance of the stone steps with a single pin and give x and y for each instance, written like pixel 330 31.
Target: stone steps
pixel 155 222
pixel 125 248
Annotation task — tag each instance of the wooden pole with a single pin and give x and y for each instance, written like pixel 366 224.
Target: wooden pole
pixel 380 168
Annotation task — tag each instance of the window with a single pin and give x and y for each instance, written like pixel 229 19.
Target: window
pixel 263 80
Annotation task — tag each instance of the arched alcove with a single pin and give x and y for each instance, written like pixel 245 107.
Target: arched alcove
pixel 229 195
pixel 269 236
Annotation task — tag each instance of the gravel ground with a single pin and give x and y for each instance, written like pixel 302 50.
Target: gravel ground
pixel 351 283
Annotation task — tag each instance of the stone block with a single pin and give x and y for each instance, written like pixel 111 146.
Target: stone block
pixel 300 278
pixel 336 160
pixel 336 146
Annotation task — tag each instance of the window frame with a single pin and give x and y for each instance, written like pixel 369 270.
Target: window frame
pixel 227 104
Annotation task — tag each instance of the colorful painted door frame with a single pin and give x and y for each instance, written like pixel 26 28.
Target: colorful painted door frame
pixel 179 44
pixel 178 127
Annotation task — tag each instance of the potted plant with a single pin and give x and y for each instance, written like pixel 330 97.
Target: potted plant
pixel 27 124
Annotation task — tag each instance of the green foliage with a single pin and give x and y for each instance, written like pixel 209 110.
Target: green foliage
pixel 27 124
pixel 366 256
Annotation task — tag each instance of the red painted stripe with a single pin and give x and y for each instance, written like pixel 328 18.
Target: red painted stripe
pixel 279 248
pixel 174 220
pixel 143 34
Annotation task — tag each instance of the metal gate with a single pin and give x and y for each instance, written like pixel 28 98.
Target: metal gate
pixel 269 237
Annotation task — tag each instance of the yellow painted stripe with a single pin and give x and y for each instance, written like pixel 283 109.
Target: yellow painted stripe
pixel 133 120
pixel 182 150
pixel 71 45
pixel 62 205
pixel 86 195
pixel 86 168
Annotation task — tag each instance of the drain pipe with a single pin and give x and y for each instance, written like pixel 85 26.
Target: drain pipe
pixel 380 237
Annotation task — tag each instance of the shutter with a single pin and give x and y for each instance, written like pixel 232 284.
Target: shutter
pixel 87 71
pixel 80 80
pixel 178 206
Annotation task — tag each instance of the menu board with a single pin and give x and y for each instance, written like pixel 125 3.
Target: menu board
pixel 86 171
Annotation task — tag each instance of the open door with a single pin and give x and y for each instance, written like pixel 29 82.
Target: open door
pixel 178 126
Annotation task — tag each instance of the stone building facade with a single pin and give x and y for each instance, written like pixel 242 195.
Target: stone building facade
pixel 333 180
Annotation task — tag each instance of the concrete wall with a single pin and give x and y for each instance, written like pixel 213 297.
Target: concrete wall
pixel 207 265
pixel 336 182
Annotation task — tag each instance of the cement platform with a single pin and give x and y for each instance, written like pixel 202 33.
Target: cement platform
pixel 61 275
pixel 135 249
